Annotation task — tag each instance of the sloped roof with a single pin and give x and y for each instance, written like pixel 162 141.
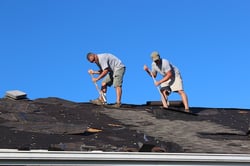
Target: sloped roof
pixel 58 124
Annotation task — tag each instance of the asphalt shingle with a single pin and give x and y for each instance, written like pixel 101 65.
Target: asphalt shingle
pixel 57 124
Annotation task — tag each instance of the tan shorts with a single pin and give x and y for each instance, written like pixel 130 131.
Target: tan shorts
pixel 174 83
pixel 116 78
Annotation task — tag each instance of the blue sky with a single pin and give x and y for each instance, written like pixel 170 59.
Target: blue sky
pixel 43 46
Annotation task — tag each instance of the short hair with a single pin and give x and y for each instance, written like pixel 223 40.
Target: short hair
pixel 89 55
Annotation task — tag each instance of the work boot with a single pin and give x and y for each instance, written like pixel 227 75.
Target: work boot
pixel 97 101
pixel 116 105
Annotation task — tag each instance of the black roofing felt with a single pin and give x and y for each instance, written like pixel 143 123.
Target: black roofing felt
pixel 57 124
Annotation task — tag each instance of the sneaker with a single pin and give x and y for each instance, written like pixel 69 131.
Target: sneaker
pixel 97 102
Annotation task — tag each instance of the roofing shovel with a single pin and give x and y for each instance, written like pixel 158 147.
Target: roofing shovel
pixel 99 91
pixel 163 100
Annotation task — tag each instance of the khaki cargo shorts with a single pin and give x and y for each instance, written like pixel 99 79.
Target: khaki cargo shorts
pixel 175 83
pixel 116 78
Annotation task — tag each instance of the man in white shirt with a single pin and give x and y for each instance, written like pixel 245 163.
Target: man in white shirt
pixel 113 70
pixel 171 81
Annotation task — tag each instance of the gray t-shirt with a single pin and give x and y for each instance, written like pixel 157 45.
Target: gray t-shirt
pixel 164 67
pixel 110 61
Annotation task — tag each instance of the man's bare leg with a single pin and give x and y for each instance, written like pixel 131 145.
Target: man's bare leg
pixel 184 99
pixel 118 94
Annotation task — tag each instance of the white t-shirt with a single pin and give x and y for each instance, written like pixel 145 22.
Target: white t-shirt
pixel 110 61
pixel 164 67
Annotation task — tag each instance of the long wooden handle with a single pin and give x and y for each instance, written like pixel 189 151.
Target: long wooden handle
pixel 99 91
pixel 163 100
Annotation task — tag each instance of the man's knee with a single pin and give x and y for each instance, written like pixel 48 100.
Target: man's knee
pixel 104 84
pixel 181 92
pixel 166 90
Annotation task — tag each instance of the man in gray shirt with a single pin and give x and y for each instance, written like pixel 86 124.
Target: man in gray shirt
pixel 171 81
pixel 114 70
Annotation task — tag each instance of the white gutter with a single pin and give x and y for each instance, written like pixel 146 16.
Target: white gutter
pixel 41 157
